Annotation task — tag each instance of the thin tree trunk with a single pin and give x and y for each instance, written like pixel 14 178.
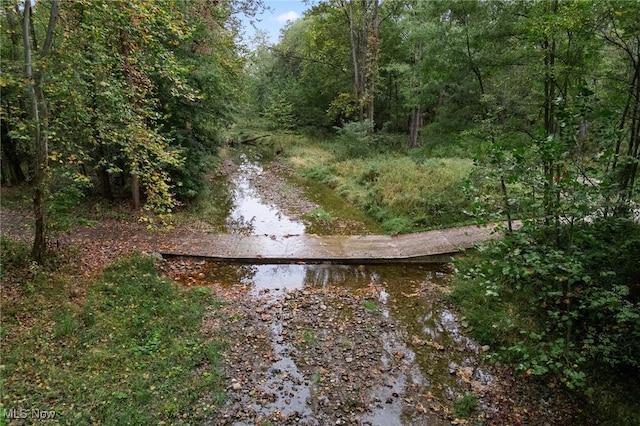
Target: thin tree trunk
pixel 371 55
pixel 474 68
pixel 549 47
pixel 135 191
pixel 125 51
pixel 39 116
pixel 507 205
pixel 39 241
pixel 357 83
pixel 414 127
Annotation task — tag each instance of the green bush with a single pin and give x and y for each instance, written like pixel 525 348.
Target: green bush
pixel 355 140
pixel 466 405
pixel 558 309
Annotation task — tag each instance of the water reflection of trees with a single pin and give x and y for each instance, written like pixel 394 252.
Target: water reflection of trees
pixel 395 279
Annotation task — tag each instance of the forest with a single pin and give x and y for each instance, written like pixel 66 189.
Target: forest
pixel 423 114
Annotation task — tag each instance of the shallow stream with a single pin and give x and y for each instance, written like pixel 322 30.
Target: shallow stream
pixel 415 341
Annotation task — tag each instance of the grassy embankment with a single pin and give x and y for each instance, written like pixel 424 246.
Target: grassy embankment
pixel 126 348
pixel 403 190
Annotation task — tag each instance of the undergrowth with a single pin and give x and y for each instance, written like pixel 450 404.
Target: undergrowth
pixel 566 314
pixel 124 349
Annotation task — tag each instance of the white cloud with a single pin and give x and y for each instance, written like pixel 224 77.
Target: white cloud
pixel 288 16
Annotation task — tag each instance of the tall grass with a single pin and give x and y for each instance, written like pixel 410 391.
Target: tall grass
pixel 401 192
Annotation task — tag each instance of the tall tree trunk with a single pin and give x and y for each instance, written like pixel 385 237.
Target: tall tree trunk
pixel 364 23
pixel 472 64
pixel 549 47
pixel 39 157
pixel 128 69
pixel 371 55
pixel 355 42
pixel 40 121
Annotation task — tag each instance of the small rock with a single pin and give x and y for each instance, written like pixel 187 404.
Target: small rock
pixel 486 348
pixel 157 256
pixel 348 359
pixel 236 386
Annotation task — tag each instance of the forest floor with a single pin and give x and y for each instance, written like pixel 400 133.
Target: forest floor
pixel 313 356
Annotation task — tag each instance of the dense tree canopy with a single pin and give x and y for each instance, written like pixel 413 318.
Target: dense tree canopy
pixel 557 79
pixel 125 96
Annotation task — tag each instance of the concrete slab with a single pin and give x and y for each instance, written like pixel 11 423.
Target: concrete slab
pixel 430 246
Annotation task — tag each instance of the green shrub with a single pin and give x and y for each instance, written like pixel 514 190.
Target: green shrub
pixel 319 214
pixel 466 405
pixel 354 140
pixel 558 309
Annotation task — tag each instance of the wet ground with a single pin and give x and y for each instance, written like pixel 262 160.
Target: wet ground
pixel 344 344
pixel 270 199
pixel 324 344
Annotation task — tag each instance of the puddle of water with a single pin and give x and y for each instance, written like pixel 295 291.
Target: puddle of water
pixel 250 215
